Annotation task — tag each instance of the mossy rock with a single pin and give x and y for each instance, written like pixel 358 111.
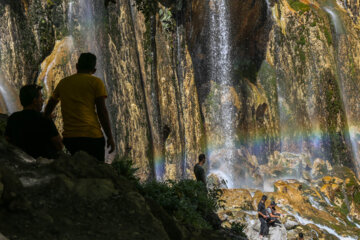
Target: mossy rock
pixel 298 6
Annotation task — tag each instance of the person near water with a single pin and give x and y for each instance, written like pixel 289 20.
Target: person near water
pixel 29 129
pixel 273 215
pixel 263 216
pixel 83 109
pixel 199 170
pixel 301 236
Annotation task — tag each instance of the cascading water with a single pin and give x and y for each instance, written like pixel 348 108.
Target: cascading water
pixel 220 73
pixel 344 80
pixel 88 31
pixel 335 19
pixel 11 99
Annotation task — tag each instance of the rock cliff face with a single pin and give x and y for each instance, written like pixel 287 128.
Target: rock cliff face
pixel 291 76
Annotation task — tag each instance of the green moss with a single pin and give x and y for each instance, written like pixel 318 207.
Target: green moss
pixel 313 24
pixel 328 36
pixel 343 209
pixel 298 6
pixel 357 197
pixel 302 57
pixel 301 41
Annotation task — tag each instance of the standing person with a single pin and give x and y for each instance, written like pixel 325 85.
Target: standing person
pixel 199 170
pixel 29 129
pixel 262 214
pixel 80 94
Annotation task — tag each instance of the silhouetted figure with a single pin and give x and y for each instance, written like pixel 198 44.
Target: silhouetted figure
pixel 82 98
pixel 273 215
pixel 263 216
pixel 29 129
pixel 301 236
pixel 199 170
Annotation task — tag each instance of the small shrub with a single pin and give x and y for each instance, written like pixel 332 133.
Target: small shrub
pixel 238 229
pixel 125 167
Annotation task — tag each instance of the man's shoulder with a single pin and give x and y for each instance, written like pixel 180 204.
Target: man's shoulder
pixel 25 114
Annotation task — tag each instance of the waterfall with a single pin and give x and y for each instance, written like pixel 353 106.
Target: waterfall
pixel 70 14
pixel 220 73
pixel 89 31
pixel 181 77
pixel 11 99
pixel 341 58
pixel 335 19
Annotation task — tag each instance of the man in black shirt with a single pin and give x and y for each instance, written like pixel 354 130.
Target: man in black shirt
pixel 199 170
pixel 262 214
pixel 29 129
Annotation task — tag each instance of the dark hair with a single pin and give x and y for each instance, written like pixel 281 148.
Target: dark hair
pixel 201 157
pixel 301 235
pixel 264 197
pixel 87 61
pixel 28 93
pixel 273 203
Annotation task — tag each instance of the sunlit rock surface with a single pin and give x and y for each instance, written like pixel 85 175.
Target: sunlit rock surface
pixel 291 88
pixel 325 208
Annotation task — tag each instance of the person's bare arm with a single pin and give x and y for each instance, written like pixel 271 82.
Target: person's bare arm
pixel 57 143
pixel 264 216
pixel 50 106
pixel 103 115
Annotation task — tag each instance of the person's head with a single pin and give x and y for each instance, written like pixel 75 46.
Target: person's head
pixel 31 97
pixel 272 204
pixel 301 236
pixel 264 198
pixel 86 63
pixel 202 158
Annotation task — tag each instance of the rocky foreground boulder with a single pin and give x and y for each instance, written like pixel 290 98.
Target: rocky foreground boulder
pixel 80 198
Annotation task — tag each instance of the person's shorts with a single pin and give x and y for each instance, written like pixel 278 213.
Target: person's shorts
pixel 93 146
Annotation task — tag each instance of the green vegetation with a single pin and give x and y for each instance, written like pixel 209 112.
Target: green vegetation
pixel 357 197
pixel 148 7
pixel 343 209
pixel 298 6
pixel 301 41
pixel 125 167
pixel 167 20
pixel 186 200
pixel 238 228
pixel 328 36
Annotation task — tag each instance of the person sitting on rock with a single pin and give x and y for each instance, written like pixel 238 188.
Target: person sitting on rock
pixel 199 170
pixel 263 216
pixel 274 216
pixel 29 129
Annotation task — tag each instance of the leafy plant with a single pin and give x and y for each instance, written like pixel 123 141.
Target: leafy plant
pixel 167 20
pixel 187 200
pixel 125 167
pixel 238 228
